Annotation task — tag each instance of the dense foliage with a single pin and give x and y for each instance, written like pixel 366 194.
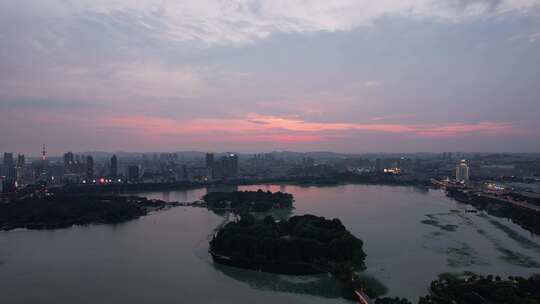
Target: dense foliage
pixel 484 290
pixel 64 211
pixel 258 201
pixel 322 244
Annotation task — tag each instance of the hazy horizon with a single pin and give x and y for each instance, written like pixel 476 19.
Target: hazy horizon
pixel 247 75
pixel 120 152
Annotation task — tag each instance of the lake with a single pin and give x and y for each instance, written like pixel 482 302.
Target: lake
pixel 410 235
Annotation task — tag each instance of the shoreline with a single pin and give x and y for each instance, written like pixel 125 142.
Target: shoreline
pixel 276 268
pixel 524 217
pixel 179 186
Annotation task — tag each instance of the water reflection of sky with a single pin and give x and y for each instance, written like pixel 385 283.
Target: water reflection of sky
pixel 412 234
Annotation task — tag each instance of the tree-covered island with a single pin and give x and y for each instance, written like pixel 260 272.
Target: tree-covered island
pixel 248 201
pixel 301 245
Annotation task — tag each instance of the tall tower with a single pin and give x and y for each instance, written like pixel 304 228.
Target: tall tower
pixel 43 174
pixel 89 167
pixel 114 166
pixel 43 153
pixel 210 165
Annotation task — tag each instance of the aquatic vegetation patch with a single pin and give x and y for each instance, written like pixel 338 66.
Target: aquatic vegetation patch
pixel 435 235
pixel 435 216
pixel 518 259
pixel 510 256
pixel 514 235
pixel 449 227
pixel 430 222
pixel 463 256
pixel 434 223
pixel 431 216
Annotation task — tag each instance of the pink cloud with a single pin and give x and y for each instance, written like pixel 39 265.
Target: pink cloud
pixel 487 128
pixel 278 129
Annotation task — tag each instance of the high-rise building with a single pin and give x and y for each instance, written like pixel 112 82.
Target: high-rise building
pixel 69 159
pixel 185 174
pixel 11 174
pixel 229 165
pixel 69 162
pixel 8 167
pixel 114 166
pixel 8 160
pixel 462 172
pixel 20 168
pixel 379 165
pixel 210 164
pixel 163 157
pixel 308 162
pixel 89 167
pixel 226 167
pixel 133 173
pixel 6 186
pixel 209 160
pixel 21 161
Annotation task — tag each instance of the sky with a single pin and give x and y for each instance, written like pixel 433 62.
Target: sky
pixel 253 76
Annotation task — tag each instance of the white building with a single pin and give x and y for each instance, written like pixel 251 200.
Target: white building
pixel 462 172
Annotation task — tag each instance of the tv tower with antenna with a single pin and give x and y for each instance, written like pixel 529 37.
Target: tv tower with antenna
pixel 44 164
pixel 43 153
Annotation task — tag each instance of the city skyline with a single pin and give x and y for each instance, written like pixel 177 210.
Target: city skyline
pixel 201 153
pixel 255 76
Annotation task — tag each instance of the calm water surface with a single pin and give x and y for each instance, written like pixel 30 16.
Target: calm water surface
pixel 410 235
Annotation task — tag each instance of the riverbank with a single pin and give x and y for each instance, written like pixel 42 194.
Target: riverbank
pixel 334 180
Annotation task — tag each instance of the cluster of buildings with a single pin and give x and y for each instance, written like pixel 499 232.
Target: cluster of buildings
pixel 73 168
pixel 226 167
pixel 103 168
pixel 11 171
